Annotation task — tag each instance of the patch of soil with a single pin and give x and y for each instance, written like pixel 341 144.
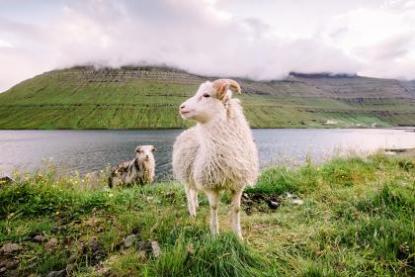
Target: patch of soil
pixel 8 258
pixel 91 252
pixel 259 202
pixel 94 251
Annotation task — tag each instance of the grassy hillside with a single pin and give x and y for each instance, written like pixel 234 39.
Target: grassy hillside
pixel 148 97
pixel 358 219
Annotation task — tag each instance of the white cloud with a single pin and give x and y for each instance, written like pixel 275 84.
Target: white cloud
pixel 203 37
pixel 5 44
pixel 381 39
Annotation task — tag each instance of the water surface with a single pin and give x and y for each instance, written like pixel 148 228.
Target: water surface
pixel 87 151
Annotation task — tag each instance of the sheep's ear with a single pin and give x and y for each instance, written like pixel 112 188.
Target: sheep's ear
pixel 222 85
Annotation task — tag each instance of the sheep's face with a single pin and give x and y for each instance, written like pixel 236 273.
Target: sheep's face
pixel 144 152
pixel 209 101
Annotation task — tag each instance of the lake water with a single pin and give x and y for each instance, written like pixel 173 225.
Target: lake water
pixel 87 151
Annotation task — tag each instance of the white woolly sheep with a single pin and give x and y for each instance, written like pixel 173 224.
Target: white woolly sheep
pixel 218 153
pixel 139 170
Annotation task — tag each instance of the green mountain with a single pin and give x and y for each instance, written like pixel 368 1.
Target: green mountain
pixel 148 97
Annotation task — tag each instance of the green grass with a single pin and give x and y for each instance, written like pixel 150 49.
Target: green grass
pixel 149 98
pixel 358 219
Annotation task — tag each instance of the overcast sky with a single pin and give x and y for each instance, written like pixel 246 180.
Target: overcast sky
pixel 261 39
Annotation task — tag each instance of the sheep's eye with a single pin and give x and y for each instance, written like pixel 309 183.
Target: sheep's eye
pixel 206 95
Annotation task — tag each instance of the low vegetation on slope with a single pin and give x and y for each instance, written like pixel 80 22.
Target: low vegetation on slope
pixel 357 219
pixel 148 97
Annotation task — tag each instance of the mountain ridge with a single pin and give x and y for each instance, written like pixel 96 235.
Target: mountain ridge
pixel 85 97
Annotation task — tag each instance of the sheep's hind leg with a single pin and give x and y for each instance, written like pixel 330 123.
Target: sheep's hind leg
pixel 190 195
pixel 235 213
pixel 213 198
pixel 195 199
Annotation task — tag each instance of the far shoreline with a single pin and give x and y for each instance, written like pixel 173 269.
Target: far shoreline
pixel 404 128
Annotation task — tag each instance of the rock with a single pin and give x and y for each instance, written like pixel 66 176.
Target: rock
pixel 51 244
pixel 144 246
pixel 150 248
pixel 273 204
pixel 8 265
pixel 10 248
pixel 289 195
pixel 11 264
pixel 297 201
pixel 129 240
pixel 38 238
pixel 59 273
pixel 6 180
pixel 294 199
pixel 156 248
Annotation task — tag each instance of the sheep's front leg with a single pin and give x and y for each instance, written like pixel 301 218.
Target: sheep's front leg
pixel 190 195
pixel 110 181
pixel 235 213
pixel 213 198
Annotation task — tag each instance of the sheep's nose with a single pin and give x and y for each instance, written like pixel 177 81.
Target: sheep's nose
pixel 182 107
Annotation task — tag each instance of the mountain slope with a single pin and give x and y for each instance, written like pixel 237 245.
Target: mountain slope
pixel 148 97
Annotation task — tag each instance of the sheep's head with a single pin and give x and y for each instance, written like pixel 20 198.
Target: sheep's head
pixel 210 100
pixel 144 152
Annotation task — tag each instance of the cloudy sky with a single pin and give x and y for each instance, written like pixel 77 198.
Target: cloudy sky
pixel 261 39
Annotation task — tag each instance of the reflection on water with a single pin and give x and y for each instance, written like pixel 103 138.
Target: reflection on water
pixel 87 151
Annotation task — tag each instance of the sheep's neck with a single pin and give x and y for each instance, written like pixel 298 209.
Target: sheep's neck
pixel 223 130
